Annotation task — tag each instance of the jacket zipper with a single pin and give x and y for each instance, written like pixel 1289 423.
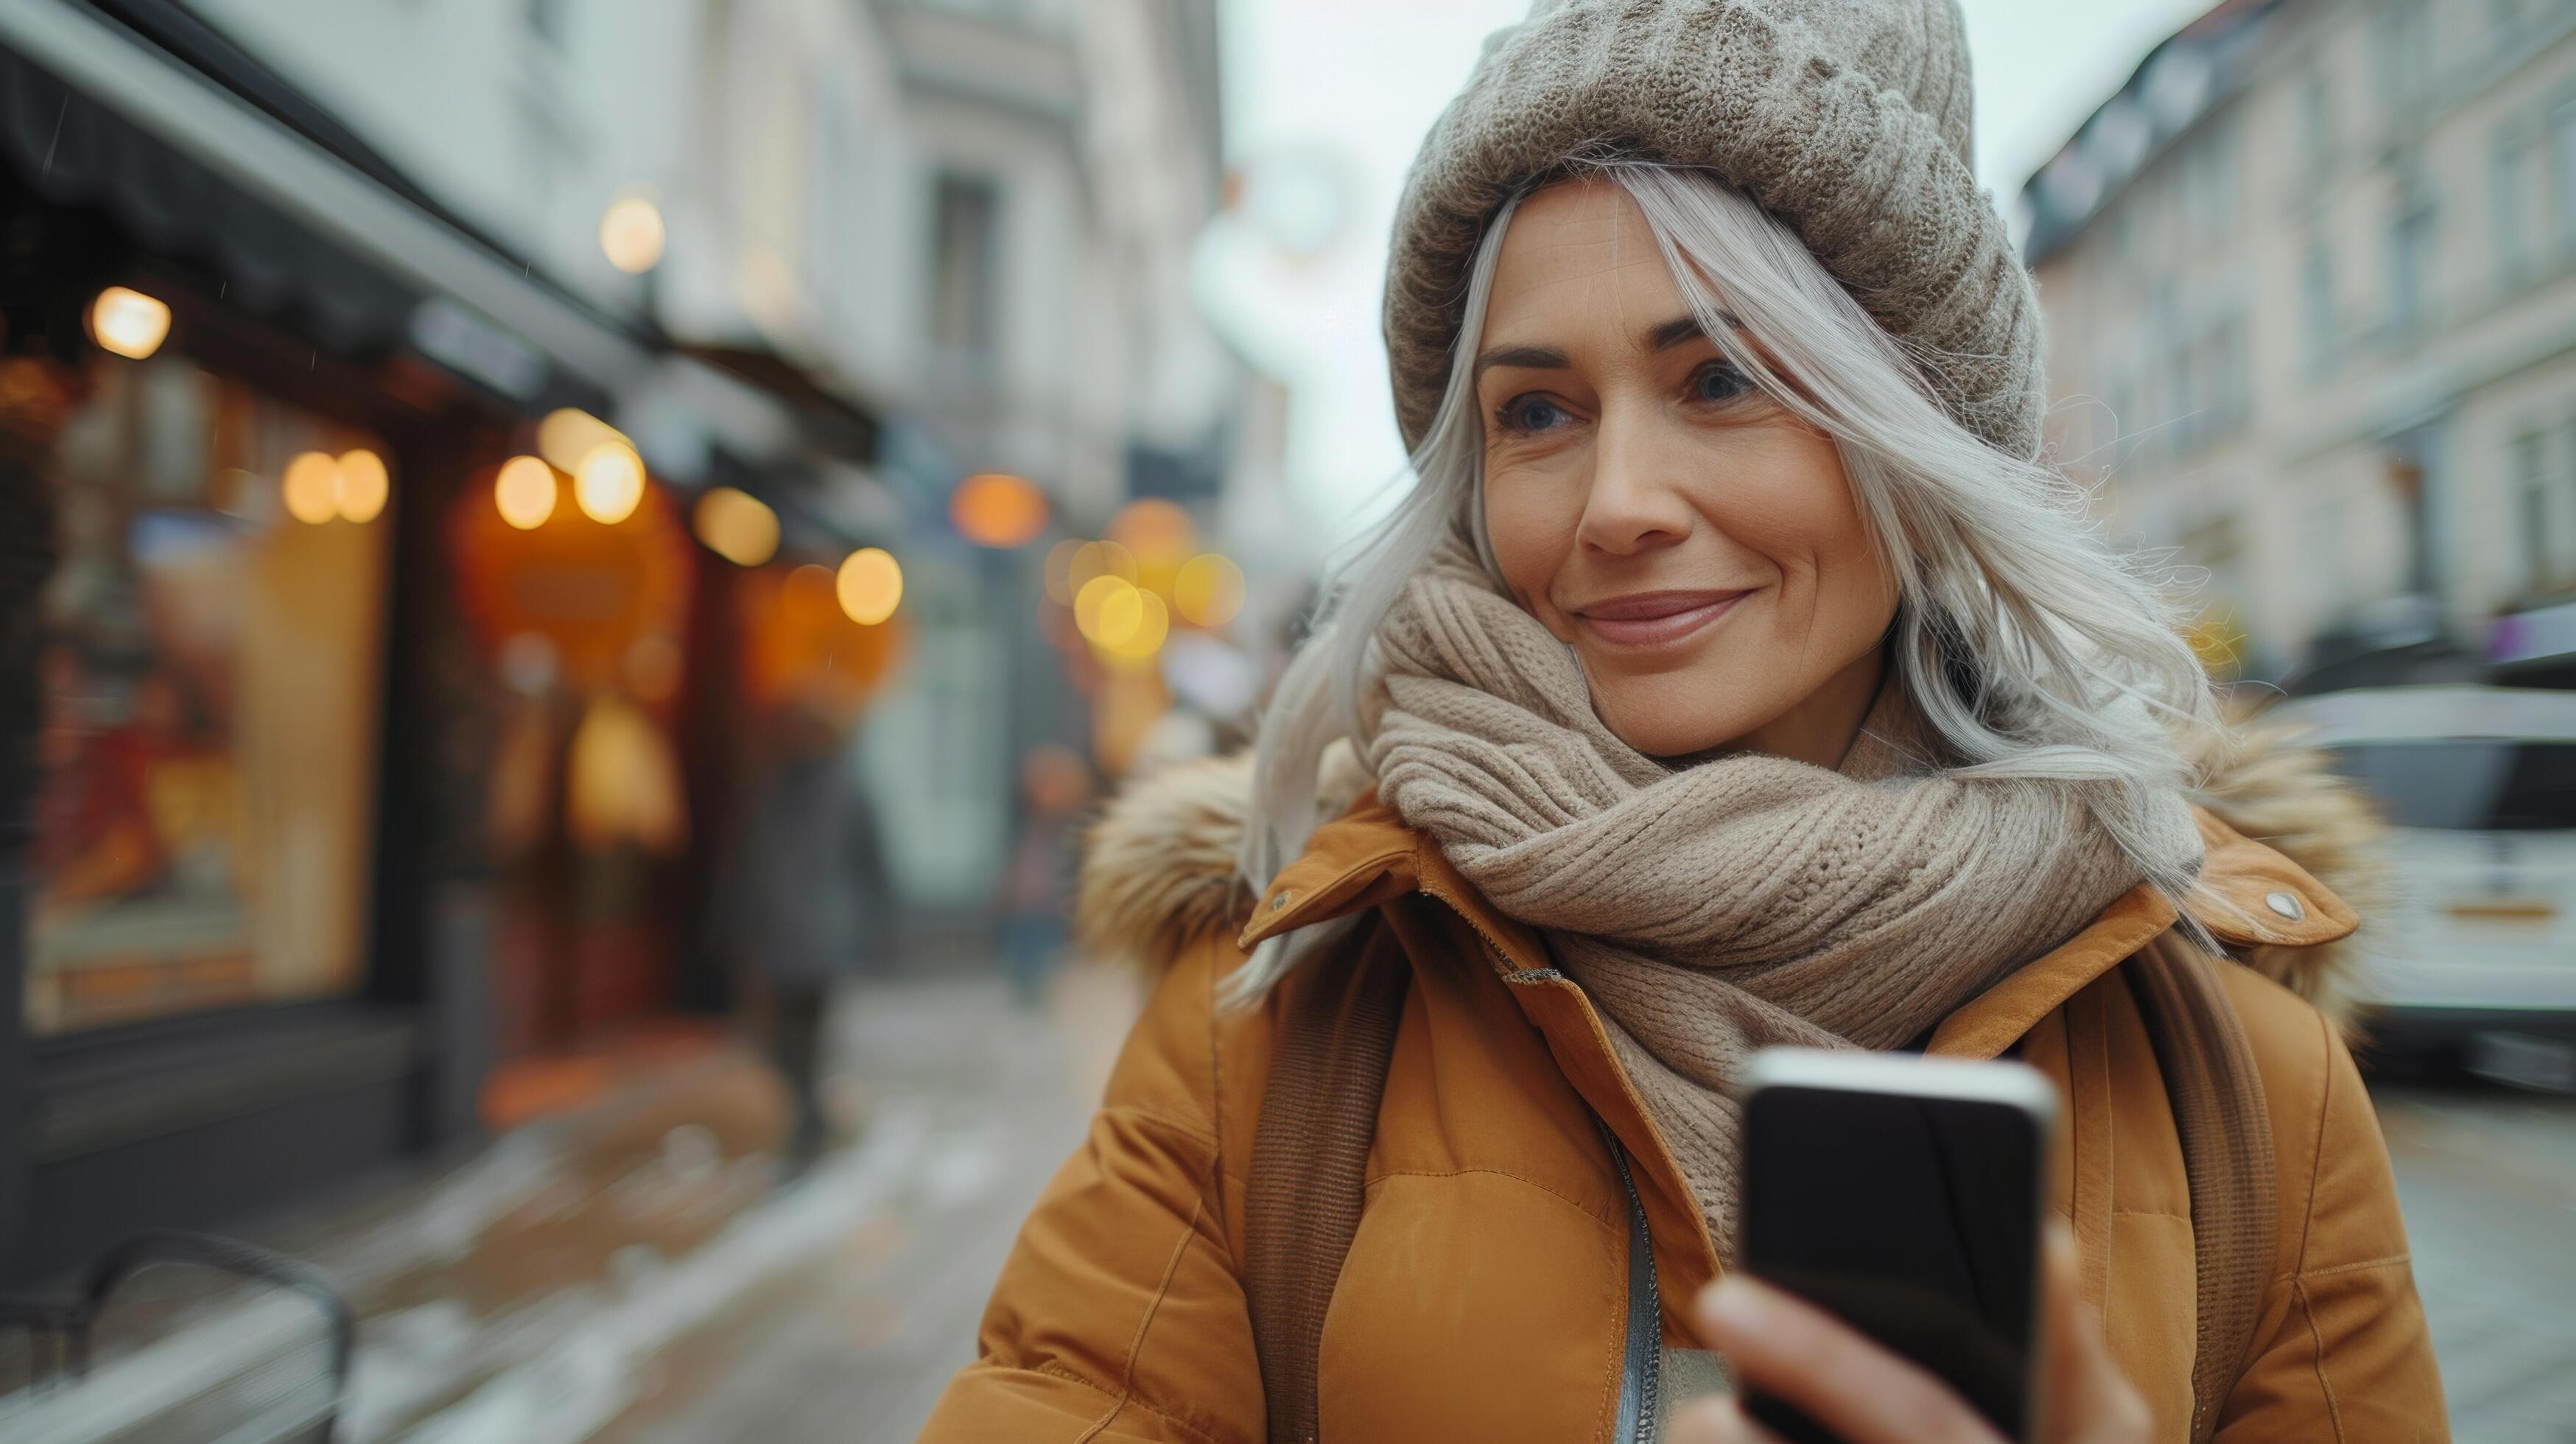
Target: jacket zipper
pixel 1639 1379
pixel 1641 1366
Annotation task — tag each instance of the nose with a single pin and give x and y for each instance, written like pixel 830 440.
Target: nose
pixel 1636 503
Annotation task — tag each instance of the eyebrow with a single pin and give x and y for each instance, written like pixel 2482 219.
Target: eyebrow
pixel 1548 358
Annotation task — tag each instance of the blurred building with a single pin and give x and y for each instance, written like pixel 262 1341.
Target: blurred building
pixel 2310 281
pixel 372 737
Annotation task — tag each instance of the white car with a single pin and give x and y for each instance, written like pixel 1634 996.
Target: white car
pixel 2480 784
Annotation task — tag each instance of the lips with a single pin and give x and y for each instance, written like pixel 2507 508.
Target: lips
pixel 1655 619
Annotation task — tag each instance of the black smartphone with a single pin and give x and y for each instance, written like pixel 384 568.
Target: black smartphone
pixel 1903 1194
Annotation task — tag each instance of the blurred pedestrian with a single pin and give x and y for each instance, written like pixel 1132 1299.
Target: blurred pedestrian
pixel 1037 887
pixel 803 903
pixel 1734 675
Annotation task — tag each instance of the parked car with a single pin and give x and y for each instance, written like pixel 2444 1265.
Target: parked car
pixel 2478 959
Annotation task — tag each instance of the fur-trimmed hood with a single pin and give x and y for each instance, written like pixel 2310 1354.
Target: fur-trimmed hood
pixel 1158 867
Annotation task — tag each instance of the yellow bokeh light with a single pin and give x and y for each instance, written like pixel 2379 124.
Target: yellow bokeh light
pixel 1140 640
pixel 870 585
pixel 1059 571
pixel 1093 560
pixel 1093 596
pixel 311 488
pixel 998 510
pixel 631 234
pixel 609 483
pixel 1121 613
pixel 364 485
pixel 129 323
pixel 569 434
pixel 525 492
pixel 1208 590
pixel 737 526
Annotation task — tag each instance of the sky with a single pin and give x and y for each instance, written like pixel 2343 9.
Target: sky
pixel 1327 100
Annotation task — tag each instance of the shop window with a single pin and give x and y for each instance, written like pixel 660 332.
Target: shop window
pixel 211 665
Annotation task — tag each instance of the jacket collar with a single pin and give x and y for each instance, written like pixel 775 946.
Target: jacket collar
pixel 2248 896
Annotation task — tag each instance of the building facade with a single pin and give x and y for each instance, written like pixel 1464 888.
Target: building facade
pixel 2310 281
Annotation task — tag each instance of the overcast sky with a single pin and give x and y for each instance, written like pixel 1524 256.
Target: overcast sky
pixel 1344 89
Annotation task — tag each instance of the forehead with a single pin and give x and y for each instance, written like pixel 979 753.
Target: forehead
pixel 1578 253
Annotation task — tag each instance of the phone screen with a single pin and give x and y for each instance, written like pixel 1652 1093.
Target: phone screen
pixel 1913 1218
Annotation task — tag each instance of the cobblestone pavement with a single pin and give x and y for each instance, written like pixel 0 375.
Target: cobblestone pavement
pixel 2488 1181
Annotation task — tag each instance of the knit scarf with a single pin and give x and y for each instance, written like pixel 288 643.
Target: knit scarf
pixel 1717 906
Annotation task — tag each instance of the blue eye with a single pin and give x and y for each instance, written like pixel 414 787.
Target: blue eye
pixel 1529 413
pixel 1719 382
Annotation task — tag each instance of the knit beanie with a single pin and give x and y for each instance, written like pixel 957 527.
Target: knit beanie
pixel 1846 119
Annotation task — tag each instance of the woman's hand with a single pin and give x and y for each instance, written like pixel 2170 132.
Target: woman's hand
pixel 1796 1352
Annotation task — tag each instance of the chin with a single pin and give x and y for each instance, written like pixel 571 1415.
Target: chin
pixel 1669 716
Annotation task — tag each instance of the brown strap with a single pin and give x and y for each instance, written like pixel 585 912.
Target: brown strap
pixel 2217 1098
pixel 1301 1202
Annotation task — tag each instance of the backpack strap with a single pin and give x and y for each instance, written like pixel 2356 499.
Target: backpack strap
pixel 1310 1149
pixel 2216 1091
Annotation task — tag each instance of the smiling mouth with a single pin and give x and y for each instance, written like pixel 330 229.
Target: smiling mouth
pixel 1655 619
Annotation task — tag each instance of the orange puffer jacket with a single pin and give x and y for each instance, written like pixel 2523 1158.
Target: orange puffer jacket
pixel 1486 1294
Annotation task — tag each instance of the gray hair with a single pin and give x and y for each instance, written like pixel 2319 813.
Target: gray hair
pixel 2029 646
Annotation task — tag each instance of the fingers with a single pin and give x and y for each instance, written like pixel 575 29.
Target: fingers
pixel 1844 1380
pixel 1718 1421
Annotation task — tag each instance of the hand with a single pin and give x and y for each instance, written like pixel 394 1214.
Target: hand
pixel 1844 1380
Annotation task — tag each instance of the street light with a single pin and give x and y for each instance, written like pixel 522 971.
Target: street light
pixel 630 232
pixel 129 323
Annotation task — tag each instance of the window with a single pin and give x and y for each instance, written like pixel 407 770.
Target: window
pixel 203 824
pixel 2316 116
pixel 2411 237
pixel 2530 480
pixel 2317 305
pixel 2509 205
pixel 2562 173
pixel 2405 43
pixel 965 261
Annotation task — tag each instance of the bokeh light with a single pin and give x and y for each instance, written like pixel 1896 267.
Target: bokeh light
pixel 311 488
pixel 569 434
pixel 870 585
pixel 1093 560
pixel 363 485
pixel 609 483
pixel 631 235
pixel 810 594
pixel 737 526
pixel 998 510
pixel 1208 591
pixel 1091 598
pixel 525 492
pixel 128 322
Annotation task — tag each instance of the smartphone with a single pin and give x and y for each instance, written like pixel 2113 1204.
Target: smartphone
pixel 1903 1194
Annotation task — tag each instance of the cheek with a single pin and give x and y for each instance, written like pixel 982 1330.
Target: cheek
pixel 1798 511
pixel 1531 529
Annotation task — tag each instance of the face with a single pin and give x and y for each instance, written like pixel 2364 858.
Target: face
pixel 1695 543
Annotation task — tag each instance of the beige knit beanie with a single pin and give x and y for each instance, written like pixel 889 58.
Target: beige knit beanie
pixel 1848 119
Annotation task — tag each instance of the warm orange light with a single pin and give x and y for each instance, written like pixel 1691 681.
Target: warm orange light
pixel 1208 591
pixel 1155 530
pixel 525 492
pixel 737 526
pixel 809 593
pixel 609 483
pixel 569 434
pixel 363 485
pixel 311 488
pixel 998 510
pixel 870 585
pixel 631 234
pixel 128 322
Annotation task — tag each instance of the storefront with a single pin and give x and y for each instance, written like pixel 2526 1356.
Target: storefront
pixel 294 830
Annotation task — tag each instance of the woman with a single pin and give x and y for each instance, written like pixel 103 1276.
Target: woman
pixel 1733 676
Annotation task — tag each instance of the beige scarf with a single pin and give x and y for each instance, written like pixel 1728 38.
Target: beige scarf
pixel 1718 907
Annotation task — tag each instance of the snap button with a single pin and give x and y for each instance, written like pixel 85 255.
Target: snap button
pixel 1279 899
pixel 2286 904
